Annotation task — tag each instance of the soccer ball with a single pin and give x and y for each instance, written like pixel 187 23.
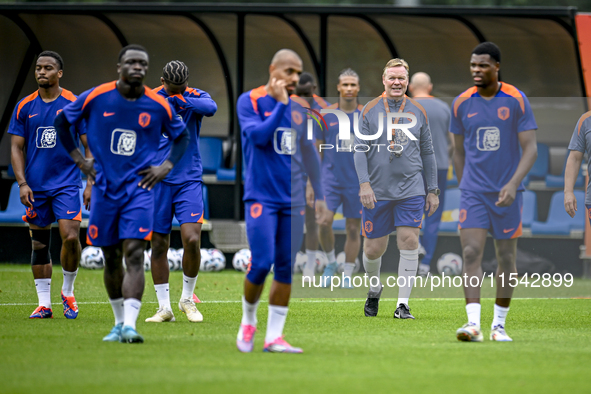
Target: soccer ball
pixel 341 263
pixel 174 262
pixel 450 264
pixel 321 262
pixel 147 260
pixel 218 260
pixel 241 260
pixel 300 262
pixel 92 258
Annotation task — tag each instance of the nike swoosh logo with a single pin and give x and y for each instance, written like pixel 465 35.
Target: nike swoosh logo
pixel 268 113
pixel 509 230
pixel 334 124
pixel 471 115
pixel 195 214
pixel 105 114
pixel 30 116
pixel 69 212
pixel 416 221
pixel 144 230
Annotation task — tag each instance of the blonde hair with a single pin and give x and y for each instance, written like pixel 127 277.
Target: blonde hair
pixel 395 63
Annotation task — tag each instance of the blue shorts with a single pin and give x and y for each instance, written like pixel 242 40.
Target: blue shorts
pixel 387 215
pixel 112 221
pixel 183 201
pixel 478 210
pixel 275 235
pixel 352 206
pixel 52 205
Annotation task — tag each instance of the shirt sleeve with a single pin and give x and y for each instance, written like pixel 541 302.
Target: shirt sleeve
pixel 202 104
pixel 526 118
pixel 17 123
pixel 253 127
pixel 578 141
pixel 174 126
pixel 456 126
pixel 76 110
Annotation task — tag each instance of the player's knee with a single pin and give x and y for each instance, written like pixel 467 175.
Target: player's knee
pixel 408 241
pixel 373 252
pixel 70 240
pixel 40 240
pixel 134 258
pixel 258 272
pixel 192 241
pixel 470 254
pixel 506 258
pixel 159 247
pixel 353 230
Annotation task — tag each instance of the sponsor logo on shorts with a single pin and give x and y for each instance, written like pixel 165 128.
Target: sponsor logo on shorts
pixel 105 114
pixel 418 220
pixel 195 214
pixel 472 114
pixel 144 230
pixel 503 113
pixel 92 231
pixel 508 230
pixel 256 210
pixel 463 214
pixel 144 119
pixel 71 212
pixel 368 226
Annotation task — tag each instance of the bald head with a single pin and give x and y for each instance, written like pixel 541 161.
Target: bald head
pixel 420 84
pixel 284 55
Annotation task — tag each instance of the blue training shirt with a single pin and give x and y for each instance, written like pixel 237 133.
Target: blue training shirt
pixel 123 135
pixel 191 107
pixel 48 166
pixel 275 153
pixel 490 129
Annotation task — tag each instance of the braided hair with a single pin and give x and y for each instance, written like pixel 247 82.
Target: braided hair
pixel 175 72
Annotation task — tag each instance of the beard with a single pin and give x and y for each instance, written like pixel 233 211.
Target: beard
pixel 44 85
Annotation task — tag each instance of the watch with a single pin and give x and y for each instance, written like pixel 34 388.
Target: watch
pixel 435 191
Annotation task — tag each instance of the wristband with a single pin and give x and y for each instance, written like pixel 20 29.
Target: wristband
pixel 22 184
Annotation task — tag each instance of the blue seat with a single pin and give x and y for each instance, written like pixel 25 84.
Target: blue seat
pixel 558 180
pixel 559 222
pixel 530 208
pixel 210 149
pixel 14 210
pixel 541 166
pixel 451 211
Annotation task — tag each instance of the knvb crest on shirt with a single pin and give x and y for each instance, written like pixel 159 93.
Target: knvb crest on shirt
pixel 123 142
pixel 46 137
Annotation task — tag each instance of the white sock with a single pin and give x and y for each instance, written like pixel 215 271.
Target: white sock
pixel 372 267
pixel 163 295
pixel 473 311
pixel 43 287
pixel 407 269
pixel 348 269
pixel 117 306
pixel 188 287
pixel 131 309
pixel 68 285
pixel 331 257
pixel 500 316
pixel 249 312
pixel 276 322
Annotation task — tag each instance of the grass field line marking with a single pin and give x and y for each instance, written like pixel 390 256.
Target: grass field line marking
pixel 293 300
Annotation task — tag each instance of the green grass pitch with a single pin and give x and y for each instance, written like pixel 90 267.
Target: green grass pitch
pixel 344 352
